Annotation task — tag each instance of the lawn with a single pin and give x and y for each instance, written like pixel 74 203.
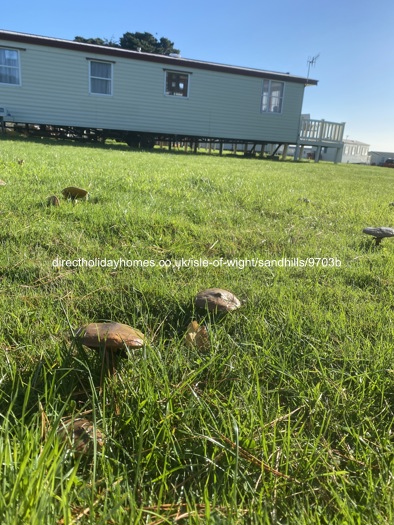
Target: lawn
pixel 287 418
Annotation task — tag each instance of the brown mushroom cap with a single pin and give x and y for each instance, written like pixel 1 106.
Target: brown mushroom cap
pixel 110 335
pixel 217 299
pixel 53 201
pixel 74 193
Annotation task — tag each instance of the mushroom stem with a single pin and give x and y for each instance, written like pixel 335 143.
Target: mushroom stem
pixel 108 365
pixel 111 362
pixel 108 368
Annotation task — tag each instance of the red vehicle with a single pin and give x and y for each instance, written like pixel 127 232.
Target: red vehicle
pixel 388 163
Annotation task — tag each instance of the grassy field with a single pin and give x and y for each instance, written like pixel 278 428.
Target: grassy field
pixel 286 419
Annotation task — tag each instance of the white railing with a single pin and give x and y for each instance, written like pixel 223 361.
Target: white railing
pixel 320 132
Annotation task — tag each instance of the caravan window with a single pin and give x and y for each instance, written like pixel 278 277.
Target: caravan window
pixel 272 96
pixel 100 78
pixel 177 83
pixel 9 67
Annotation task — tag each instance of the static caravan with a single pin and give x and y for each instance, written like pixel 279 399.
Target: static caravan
pixel 352 152
pixel 96 91
pixel 378 158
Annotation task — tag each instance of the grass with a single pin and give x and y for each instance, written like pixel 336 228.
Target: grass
pixel 287 419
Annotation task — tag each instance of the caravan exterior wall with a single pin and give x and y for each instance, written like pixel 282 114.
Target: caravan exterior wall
pixel 67 83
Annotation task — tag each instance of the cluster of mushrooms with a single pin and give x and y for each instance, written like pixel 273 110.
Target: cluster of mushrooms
pixel 70 193
pixel 80 434
pixel 111 338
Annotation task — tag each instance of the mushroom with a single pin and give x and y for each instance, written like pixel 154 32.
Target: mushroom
pixel 79 436
pixel 53 201
pixel 111 337
pixel 216 299
pixel 71 192
pixel 379 233
pixel 2 183
pixel 197 336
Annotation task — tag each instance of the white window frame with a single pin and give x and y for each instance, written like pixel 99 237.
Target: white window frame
pixel 177 92
pixel 109 79
pixel 17 67
pixel 268 98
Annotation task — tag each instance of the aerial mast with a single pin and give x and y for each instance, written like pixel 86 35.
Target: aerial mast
pixel 311 63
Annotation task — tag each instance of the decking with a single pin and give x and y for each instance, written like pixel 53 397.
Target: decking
pixel 320 134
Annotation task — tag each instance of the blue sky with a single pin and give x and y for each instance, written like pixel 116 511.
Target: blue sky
pixel 354 38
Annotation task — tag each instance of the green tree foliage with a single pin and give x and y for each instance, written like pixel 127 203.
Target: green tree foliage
pixel 144 42
pixel 96 41
pixel 147 43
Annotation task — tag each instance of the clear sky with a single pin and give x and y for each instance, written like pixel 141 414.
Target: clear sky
pixel 354 40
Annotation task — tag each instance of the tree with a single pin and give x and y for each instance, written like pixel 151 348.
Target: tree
pixel 147 43
pixel 144 42
pixel 96 41
pixel 166 47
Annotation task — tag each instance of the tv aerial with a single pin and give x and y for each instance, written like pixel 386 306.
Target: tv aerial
pixel 311 63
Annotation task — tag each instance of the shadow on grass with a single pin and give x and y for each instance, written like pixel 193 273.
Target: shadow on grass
pixel 121 146
pixel 63 384
pixel 370 246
